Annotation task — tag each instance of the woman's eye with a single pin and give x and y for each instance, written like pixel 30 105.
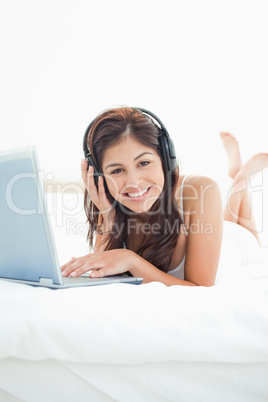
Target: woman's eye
pixel 144 163
pixel 116 171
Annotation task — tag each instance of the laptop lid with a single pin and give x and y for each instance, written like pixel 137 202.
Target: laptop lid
pixel 27 248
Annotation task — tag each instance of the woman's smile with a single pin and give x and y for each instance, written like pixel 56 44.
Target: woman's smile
pixel 138 195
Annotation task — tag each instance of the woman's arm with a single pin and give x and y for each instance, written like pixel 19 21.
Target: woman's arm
pixel 204 216
pixel 105 227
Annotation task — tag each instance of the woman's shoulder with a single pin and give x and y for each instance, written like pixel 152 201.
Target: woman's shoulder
pixel 194 182
pixel 193 190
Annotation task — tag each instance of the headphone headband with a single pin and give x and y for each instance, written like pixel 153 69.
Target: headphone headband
pixel 166 144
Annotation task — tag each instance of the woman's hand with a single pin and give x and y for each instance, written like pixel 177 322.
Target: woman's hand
pixel 97 195
pixel 98 265
pixel 116 262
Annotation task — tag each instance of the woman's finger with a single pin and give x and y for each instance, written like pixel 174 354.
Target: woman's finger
pixel 104 271
pixel 84 164
pixel 101 186
pixel 105 205
pixel 88 179
pixel 96 194
pixel 81 266
pixel 78 264
pixel 63 267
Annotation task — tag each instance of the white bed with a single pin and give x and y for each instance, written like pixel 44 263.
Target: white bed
pixel 136 343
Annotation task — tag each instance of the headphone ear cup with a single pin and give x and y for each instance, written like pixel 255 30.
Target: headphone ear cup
pixel 172 155
pixel 168 151
pixel 90 162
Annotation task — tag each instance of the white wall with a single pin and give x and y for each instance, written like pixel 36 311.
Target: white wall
pixel 200 65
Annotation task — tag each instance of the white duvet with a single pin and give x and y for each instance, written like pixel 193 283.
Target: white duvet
pixel 130 324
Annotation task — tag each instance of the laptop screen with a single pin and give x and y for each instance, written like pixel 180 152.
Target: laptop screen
pixel 27 249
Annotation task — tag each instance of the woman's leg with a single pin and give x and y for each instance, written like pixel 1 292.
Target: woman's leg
pixel 239 208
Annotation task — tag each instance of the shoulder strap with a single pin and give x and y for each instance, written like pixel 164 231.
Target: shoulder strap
pixel 182 213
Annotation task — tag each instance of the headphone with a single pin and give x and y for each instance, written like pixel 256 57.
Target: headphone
pixel 167 148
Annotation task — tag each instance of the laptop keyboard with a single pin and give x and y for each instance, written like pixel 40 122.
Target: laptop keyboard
pixel 69 279
pixel 84 278
pixel 79 279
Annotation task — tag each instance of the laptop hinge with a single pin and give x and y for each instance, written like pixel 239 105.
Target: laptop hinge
pixel 46 281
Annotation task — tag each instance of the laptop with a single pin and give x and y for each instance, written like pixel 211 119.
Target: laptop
pixel 27 247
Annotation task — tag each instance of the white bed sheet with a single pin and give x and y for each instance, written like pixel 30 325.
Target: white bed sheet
pixel 151 341
pixel 55 381
pixel 129 324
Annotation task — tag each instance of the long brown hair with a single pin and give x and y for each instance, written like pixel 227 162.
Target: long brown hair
pixel 107 130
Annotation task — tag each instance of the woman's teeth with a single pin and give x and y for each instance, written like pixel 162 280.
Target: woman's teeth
pixel 138 193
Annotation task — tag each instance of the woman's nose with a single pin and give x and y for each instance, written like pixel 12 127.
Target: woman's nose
pixel 133 178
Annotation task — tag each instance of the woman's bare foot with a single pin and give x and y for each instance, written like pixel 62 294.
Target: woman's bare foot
pixel 254 165
pixel 231 146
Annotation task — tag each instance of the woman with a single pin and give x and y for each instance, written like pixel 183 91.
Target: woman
pixel 149 221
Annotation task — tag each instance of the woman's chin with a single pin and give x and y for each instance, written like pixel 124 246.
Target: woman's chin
pixel 138 209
